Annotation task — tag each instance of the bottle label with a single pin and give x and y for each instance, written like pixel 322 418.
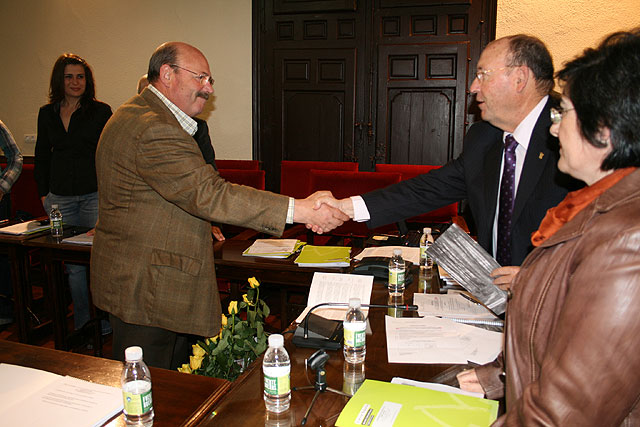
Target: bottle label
pixel 355 334
pixel 56 224
pixel 396 277
pixel 423 252
pixel 276 380
pixel 137 398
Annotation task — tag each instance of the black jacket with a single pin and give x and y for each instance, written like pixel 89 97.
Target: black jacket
pixel 65 160
pixel 475 176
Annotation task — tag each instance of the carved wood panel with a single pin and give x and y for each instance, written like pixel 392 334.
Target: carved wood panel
pixel 421 103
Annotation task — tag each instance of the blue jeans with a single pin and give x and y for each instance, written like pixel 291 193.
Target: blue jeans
pixel 82 211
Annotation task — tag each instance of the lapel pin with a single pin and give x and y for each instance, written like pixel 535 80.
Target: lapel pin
pixel 541 155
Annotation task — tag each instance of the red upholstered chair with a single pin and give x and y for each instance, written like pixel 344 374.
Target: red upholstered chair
pixel 251 178
pixel 238 164
pixel 347 183
pixel 24 194
pixel 294 175
pixel 444 214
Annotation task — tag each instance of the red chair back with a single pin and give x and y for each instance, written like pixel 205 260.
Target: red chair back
pixel 24 194
pixel 443 214
pixel 294 175
pixel 238 164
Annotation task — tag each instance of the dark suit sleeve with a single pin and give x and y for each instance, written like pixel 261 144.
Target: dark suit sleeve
pixel 418 195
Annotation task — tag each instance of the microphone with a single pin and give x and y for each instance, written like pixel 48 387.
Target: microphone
pixel 344 304
pixel 330 331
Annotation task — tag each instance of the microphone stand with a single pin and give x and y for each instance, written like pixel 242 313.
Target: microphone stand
pixel 320 357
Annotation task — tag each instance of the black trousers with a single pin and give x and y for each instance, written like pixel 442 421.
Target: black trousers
pixel 161 348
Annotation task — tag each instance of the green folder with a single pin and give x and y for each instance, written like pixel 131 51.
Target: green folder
pixel 385 404
pixel 324 256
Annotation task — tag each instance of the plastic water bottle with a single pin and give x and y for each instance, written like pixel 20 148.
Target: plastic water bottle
pixel 425 241
pixel 396 272
pixel 136 389
pixel 276 367
pixel 55 219
pixel 355 336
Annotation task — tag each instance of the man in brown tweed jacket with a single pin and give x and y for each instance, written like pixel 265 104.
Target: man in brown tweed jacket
pixel 152 263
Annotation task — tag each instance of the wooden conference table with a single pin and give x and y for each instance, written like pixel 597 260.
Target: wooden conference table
pixel 178 399
pixel 243 404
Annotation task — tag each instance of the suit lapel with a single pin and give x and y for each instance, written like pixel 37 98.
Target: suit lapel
pixel 535 161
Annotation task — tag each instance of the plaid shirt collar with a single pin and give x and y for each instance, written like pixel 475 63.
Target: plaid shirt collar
pixel 188 124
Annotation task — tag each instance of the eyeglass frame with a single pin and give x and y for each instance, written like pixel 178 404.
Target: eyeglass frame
pixel 197 76
pixel 480 75
pixel 557 113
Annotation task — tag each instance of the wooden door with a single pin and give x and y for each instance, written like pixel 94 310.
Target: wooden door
pixel 370 81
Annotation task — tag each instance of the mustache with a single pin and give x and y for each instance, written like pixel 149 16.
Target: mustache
pixel 204 95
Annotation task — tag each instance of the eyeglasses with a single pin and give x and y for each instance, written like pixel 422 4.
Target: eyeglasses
pixel 556 114
pixel 202 78
pixel 480 75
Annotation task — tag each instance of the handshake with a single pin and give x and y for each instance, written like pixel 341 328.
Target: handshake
pixel 321 212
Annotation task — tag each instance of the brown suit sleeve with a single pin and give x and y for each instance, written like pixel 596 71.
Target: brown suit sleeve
pixel 169 162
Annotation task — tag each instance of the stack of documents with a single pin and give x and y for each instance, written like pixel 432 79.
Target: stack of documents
pixel 273 248
pixel 24 228
pixel 324 256
pixel 378 403
pixel 441 341
pixel 455 306
pixel 31 397
pixel 80 239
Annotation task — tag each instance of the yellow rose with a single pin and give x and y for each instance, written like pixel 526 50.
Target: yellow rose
pixel 214 339
pixel 253 282
pixel 224 320
pixel 195 362
pixel 185 369
pixel 244 297
pixel 198 351
pixel 233 307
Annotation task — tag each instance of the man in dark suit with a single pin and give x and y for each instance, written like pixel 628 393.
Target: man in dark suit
pixel 512 86
pixel 152 263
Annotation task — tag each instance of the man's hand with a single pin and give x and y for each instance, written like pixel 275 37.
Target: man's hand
pixel 468 381
pixel 217 233
pixel 326 198
pixel 320 219
pixel 503 276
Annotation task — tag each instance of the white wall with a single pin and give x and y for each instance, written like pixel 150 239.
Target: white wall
pixel 566 26
pixel 117 38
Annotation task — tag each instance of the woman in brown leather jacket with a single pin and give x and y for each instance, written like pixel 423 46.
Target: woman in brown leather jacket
pixel 572 341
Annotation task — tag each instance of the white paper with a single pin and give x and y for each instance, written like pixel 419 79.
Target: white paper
pixel 435 386
pixel 80 239
pixel 408 254
pixel 450 305
pixel 53 400
pixel 337 287
pixel 442 341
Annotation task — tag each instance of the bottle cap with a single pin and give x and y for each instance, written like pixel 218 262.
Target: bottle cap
pixel 276 340
pixel 427 230
pixel 54 206
pixel 397 252
pixel 354 302
pixel 133 354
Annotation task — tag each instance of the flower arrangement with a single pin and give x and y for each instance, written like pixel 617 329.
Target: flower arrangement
pixel 241 339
